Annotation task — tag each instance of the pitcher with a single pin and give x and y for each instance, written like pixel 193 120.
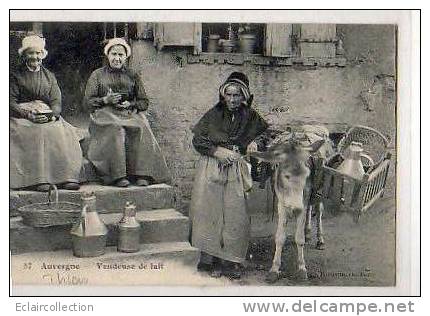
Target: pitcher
pixel 352 165
pixel 90 233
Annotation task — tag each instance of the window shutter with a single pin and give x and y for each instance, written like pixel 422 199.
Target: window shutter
pixel 178 34
pixel 278 41
pixel 197 38
pixel 318 40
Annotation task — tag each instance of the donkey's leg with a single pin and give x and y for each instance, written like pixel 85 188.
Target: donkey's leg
pixel 279 239
pixel 300 242
pixel 279 242
pixel 320 234
pixel 308 226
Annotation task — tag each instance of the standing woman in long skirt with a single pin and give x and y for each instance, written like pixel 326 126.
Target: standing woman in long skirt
pixel 220 221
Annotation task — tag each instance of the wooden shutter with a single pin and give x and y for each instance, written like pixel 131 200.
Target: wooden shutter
pixel 178 34
pixel 318 32
pixel 318 40
pixel 278 41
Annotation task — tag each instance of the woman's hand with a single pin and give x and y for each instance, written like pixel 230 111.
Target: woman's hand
pixel 225 155
pixel 38 118
pixel 112 98
pixel 124 105
pixel 252 147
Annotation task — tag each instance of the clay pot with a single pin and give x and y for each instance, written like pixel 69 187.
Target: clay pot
pixel 247 43
pixel 213 43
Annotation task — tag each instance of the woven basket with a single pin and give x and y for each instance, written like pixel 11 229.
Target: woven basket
pixel 374 144
pixel 52 213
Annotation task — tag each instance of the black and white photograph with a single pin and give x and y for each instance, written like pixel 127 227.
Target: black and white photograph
pixel 225 153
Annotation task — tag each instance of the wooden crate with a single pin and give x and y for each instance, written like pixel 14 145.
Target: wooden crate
pixel 344 193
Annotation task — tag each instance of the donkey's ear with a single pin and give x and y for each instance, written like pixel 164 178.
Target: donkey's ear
pixel 314 146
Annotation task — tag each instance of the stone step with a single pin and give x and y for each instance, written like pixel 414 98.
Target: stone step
pixel 165 225
pixel 112 254
pixel 109 199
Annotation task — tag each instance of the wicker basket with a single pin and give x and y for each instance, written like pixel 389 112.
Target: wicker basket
pixel 374 144
pixel 52 213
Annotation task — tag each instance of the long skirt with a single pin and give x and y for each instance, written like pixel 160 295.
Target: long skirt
pixel 43 153
pixel 122 144
pixel 218 212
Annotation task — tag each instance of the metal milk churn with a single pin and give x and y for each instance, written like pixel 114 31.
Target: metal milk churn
pixel 352 165
pixel 90 233
pixel 129 230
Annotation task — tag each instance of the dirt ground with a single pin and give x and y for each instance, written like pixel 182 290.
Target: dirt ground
pixel 355 254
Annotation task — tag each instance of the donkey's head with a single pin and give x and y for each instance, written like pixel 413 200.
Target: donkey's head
pixel 291 148
pixel 289 158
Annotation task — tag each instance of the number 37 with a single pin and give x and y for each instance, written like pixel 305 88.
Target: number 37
pixel 27 266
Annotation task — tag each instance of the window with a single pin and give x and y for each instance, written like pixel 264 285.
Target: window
pixel 264 44
pixel 124 30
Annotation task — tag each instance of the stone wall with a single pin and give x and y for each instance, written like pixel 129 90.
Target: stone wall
pixel 180 93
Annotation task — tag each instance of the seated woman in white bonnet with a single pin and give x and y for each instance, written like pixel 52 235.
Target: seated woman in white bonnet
pixel 122 146
pixel 44 148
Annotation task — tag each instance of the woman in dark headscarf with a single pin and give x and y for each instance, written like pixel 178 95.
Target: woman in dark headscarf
pixel 44 148
pixel 122 145
pixel 220 222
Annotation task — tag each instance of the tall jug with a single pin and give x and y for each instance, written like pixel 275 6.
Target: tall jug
pixel 352 165
pixel 90 233
pixel 129 230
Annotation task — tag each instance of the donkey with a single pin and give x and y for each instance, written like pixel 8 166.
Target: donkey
pixel 292 188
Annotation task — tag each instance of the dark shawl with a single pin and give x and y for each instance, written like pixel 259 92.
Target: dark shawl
pixel 216 128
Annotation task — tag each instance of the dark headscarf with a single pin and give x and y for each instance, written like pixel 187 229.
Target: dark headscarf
pixel 240 80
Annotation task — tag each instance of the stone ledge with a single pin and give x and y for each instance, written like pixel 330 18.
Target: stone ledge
pixel 156 226
pixel 240 59
pixel 112 253
pixel 109 199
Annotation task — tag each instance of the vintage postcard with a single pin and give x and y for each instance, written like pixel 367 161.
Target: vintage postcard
pixel 231 152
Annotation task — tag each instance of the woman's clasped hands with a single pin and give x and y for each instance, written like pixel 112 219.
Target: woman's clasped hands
pixel 114 98
pixel 226 156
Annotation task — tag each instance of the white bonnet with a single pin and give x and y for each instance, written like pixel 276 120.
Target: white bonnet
pixel 117 41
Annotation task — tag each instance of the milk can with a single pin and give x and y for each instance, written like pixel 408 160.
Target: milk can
pixel 129 230
pixel 352 165
pixel 90 233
